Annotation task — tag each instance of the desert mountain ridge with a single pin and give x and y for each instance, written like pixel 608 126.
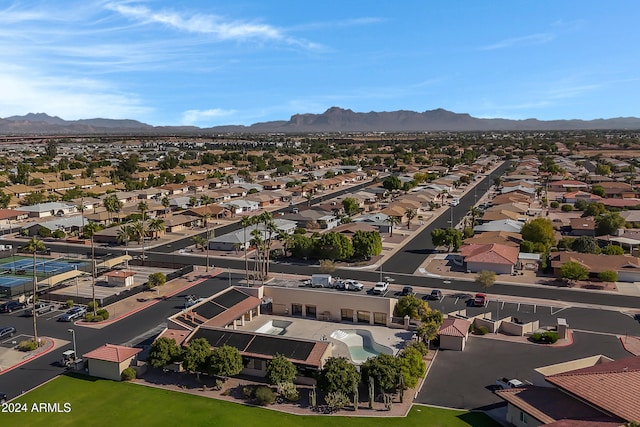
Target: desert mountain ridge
pixel 333 120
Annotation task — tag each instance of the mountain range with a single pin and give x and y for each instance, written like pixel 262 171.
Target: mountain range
pixel 333 120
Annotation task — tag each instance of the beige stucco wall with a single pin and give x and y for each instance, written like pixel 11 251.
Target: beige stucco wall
pixel 452 343
pixel 108 370
pixel 513 417
pixel 329 303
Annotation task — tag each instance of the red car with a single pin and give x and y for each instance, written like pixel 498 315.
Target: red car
pixel 480 300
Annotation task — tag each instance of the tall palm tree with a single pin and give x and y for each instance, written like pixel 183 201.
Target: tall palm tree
pixel 475 213
pixel 165 204
pixel 410 214
pixel 91 229
pixel 246 222
pixel 258 242
pixel 113 205
pixel 124 234
pixel 286 239
pixel 266 218
pixel 143 208
pixel 34 246
pixel 393 221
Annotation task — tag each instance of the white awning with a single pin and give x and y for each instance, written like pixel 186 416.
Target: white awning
pixel 110 263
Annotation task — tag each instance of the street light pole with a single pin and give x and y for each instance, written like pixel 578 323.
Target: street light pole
pixel 75 350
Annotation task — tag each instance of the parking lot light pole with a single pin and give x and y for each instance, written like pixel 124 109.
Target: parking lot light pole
pixel 75 351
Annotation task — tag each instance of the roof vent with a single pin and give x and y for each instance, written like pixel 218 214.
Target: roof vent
pixel 625 369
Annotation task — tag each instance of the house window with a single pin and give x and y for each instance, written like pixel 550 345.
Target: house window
pixel 296 309
pixel 311 311
pixel 346 314
pixel 523 417
pixel 363 316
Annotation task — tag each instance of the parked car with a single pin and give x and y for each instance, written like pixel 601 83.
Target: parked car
pixel 353 285
pixel 73 314
pixel 505 383
pixel 480 300
pixel 191 300
pixel 11 306
pixel 7 332
pixel 407 290
pixel 41 308
pixel 380 288
pixel 435 295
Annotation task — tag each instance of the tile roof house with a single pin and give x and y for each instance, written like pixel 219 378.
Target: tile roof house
pixel 454 333
pixel 501 259
pixel 507 225
pixel 603 393
pixel 108 361
pixel 627 267
pixel 582 226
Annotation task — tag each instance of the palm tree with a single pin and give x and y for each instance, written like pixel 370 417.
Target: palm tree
pixel 143 207
pixel 81 208
pixel 258 242
pixel 137 231
pixel 286 239
pixel 393 221
pixel 205 200
pixel 91 229
pixel 124 234
pixel 271 230
pixel 410 213
pixel 475 213
pixel 199 241
pixel 233 208
pixel 308 196
pixel 165 204
pixel 113 205
pixel 246 221
pixel 34 246
pixel 156 225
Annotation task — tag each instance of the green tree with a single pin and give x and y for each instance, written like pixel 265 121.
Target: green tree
pixel 486 279
pixel 350 206
pixel 574 271
pixel 156 225
pixel 412 366
pixel 156 279
pixel 609 223
pixel 302 246
pixel 195 356
pixel 449 237
pixel 34 198
pixel 384 369
pixel 412 306
pixel 113 205
pixel 225 361
pixel 602 169
pixel 392 183
pixel 34 246
pixel 613 250
pixel 586 245
pixel 280 370
pixel 540 230
pixel 527 246
pixel 594 209
pixel 598 190
pixel 338 375
pixel 334 246
pixel 366 244
pixel 392 221
pixel 565 244
pixel 163 351
pixel 5 199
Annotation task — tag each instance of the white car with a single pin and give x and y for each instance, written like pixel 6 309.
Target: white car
pixel 352 285
pixel 380 288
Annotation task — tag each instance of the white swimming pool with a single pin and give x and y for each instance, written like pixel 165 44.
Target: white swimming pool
pixel 360 343
pixel 274 327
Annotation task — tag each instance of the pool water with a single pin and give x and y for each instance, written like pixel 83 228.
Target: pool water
pixel 360 344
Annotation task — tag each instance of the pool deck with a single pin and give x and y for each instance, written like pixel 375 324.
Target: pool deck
pixel 318 330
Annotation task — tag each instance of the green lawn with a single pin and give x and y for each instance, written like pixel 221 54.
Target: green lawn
pixel 97 402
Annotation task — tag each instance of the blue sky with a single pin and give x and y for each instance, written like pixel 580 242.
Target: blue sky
pixel 205 63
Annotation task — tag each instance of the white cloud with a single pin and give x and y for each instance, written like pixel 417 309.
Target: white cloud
pixel 530 40
pixel 69 98
pixel 217 26
pixel 207 117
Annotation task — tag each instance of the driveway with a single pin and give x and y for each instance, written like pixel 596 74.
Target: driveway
pixel 463 379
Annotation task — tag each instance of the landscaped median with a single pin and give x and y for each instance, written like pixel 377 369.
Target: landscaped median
pixel 77 400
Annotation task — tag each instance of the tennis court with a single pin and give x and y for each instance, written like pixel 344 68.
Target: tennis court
pixel 13 281
pixel 44 267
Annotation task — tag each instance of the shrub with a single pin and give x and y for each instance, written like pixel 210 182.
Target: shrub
pixel 248 391
pixel 481 330
pixel 103 313
pixel 92 306
pixel 265 396
pixel 129 374
pixel 27 345
pixel 608 276
pixel 554 204
pixel 567 208
pixel 89 317
pixel 422 347
pixel 300 231
pixel 70 303
pixel 548 337
pixel 336 400
pixel 289 392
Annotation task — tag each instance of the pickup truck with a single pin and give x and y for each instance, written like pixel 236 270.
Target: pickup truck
pixel 41 308
pixel 504 383
pixel 380 288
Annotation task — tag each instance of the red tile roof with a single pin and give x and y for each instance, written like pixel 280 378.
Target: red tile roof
pixel 454 327
pixel 120 273
pixel 493 253
pixel 112 353
pixel 613 387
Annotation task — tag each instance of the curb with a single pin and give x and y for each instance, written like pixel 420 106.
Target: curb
pixel 33 356
pixel 624 344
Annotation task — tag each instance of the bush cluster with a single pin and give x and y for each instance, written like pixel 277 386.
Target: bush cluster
pixel 27 345
pixel 100 315
pixel 129 374
pixel 265 396
pixel 548 337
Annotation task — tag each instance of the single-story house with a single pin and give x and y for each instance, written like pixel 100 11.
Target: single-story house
pixel 507 225
pixel 120 278
pixel 454 333
pixel 108 361
pixel 501 259
pixel 43 210
pixel 627 267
